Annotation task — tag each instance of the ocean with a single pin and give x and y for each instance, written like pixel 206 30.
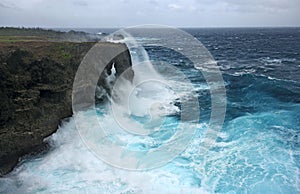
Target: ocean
pixel 257 150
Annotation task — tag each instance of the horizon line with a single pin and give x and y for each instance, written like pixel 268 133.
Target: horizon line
pixel 118 27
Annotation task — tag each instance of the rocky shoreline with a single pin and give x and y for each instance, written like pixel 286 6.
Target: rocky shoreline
pixel 36 80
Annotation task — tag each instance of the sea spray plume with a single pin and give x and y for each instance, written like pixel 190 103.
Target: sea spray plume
pixel 150 96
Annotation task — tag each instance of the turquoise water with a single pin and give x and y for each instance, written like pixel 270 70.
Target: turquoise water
pixel 257 150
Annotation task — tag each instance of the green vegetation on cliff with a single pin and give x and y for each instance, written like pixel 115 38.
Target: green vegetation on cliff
pixel 11 35
pixel 36 80
pixel 36 84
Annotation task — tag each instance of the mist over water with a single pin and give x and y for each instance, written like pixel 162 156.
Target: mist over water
pixel 257 150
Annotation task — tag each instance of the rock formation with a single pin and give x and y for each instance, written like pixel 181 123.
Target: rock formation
pixel 36 80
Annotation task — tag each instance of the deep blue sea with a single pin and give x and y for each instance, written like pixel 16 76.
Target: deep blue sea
pixel 256 151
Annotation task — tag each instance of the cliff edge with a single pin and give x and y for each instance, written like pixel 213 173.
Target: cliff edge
pixel 36 80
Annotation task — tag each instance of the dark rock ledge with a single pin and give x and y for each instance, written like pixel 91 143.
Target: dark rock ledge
pixel 36 80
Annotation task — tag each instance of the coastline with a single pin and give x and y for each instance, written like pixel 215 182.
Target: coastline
pixel 36 88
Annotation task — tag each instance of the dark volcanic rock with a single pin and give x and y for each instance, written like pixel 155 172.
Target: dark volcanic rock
pixel 36 81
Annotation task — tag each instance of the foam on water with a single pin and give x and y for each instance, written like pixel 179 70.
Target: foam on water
pixel 71 167
pixel 256 152
pixel 250 156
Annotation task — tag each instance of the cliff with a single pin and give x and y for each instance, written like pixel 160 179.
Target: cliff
pixel 36 79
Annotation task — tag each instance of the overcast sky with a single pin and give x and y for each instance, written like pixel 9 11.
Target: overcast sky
pixel 124 13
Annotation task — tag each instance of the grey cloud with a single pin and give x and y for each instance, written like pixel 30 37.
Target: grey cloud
pixel 262 5
pixel 154 2
pixel 3 6
pixel 80 3
pixel 174 6
pixel 121 13
pixel 280 4
pixel 7 5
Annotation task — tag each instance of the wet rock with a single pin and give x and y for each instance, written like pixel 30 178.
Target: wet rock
pixel 36 81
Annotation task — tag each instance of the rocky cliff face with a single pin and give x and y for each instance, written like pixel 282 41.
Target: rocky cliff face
pixel 36 80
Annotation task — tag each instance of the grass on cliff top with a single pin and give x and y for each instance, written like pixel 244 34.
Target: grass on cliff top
pixel 42 43
pixel 13 39
pixel 11 31
pixel 11 35
pixel 61 52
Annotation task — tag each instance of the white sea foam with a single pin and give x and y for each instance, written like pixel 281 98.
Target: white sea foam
pixel 71 167
pixel 137 110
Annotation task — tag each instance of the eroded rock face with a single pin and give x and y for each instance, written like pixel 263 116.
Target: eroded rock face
pixel 94 70
pixel 36 81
